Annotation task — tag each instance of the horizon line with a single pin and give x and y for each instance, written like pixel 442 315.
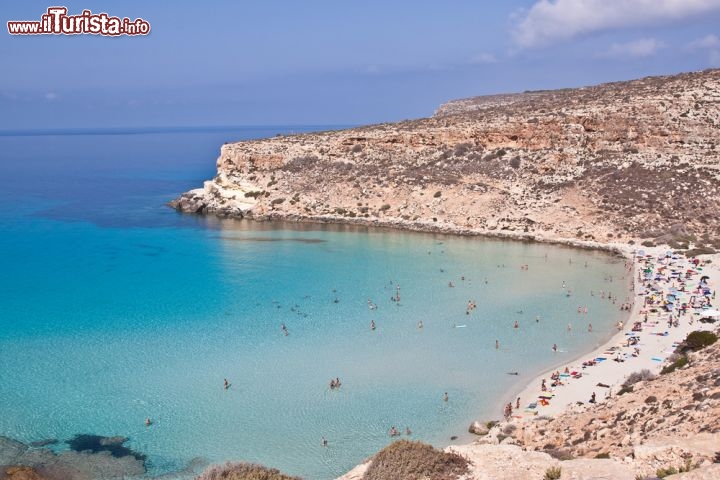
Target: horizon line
pixel 129 130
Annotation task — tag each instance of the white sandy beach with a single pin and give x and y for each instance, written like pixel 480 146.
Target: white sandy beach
pixel 654 347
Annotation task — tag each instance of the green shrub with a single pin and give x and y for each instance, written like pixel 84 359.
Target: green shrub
pixel 679 363
pixel 277 201
pixel 437 194
pixel 664 472
pixel 602 455
pixel 552 473
pixel 385 207
pixel 243 471
pixel 700 339
pixel 405 459
pixel 626 389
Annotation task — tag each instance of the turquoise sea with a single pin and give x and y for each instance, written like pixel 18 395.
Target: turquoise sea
pixel 115 308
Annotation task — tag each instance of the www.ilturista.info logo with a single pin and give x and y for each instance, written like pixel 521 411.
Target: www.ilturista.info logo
pixel 57 22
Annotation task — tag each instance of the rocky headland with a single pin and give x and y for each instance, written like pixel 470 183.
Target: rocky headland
pixel 619 162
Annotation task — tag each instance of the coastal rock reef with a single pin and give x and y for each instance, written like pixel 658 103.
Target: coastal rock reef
pixel 617 162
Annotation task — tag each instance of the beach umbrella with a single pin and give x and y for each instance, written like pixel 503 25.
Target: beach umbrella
pixel 641 253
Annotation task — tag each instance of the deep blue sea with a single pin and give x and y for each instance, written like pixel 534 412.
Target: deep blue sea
pixel 115 308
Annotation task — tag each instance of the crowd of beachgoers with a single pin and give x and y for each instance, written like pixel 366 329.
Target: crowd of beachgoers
pixel 671 296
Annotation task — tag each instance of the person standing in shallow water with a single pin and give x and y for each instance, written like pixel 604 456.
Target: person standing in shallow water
pixel 445 397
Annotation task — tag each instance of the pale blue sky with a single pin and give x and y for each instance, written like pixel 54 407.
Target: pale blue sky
pixel 334 62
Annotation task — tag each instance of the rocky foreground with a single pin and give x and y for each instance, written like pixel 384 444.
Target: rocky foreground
pixel 625 161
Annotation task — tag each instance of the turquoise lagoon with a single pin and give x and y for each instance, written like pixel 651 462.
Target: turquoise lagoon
pixel 114 308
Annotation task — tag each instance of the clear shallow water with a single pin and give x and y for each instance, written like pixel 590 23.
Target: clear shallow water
pixel 115 308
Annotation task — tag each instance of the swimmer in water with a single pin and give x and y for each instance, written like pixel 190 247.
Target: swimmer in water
pixel 420 324
pixel 445 397
pixel 148 422
pixel 226 384
pixel 497 345
pixel 372 324
pixel 554 347
pixel 516 324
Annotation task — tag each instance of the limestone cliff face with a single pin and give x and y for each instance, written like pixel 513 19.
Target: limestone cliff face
pixel 618 161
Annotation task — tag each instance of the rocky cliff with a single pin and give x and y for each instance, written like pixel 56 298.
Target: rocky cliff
pixel 619 161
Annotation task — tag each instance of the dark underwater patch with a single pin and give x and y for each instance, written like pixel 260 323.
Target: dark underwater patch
pixel 98 443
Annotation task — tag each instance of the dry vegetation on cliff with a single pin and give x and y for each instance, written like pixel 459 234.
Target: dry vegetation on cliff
pixel 406 459
pixel 620 161
pixel 243 471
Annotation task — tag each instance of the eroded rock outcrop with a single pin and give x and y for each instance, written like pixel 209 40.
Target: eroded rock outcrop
pixel 619 161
